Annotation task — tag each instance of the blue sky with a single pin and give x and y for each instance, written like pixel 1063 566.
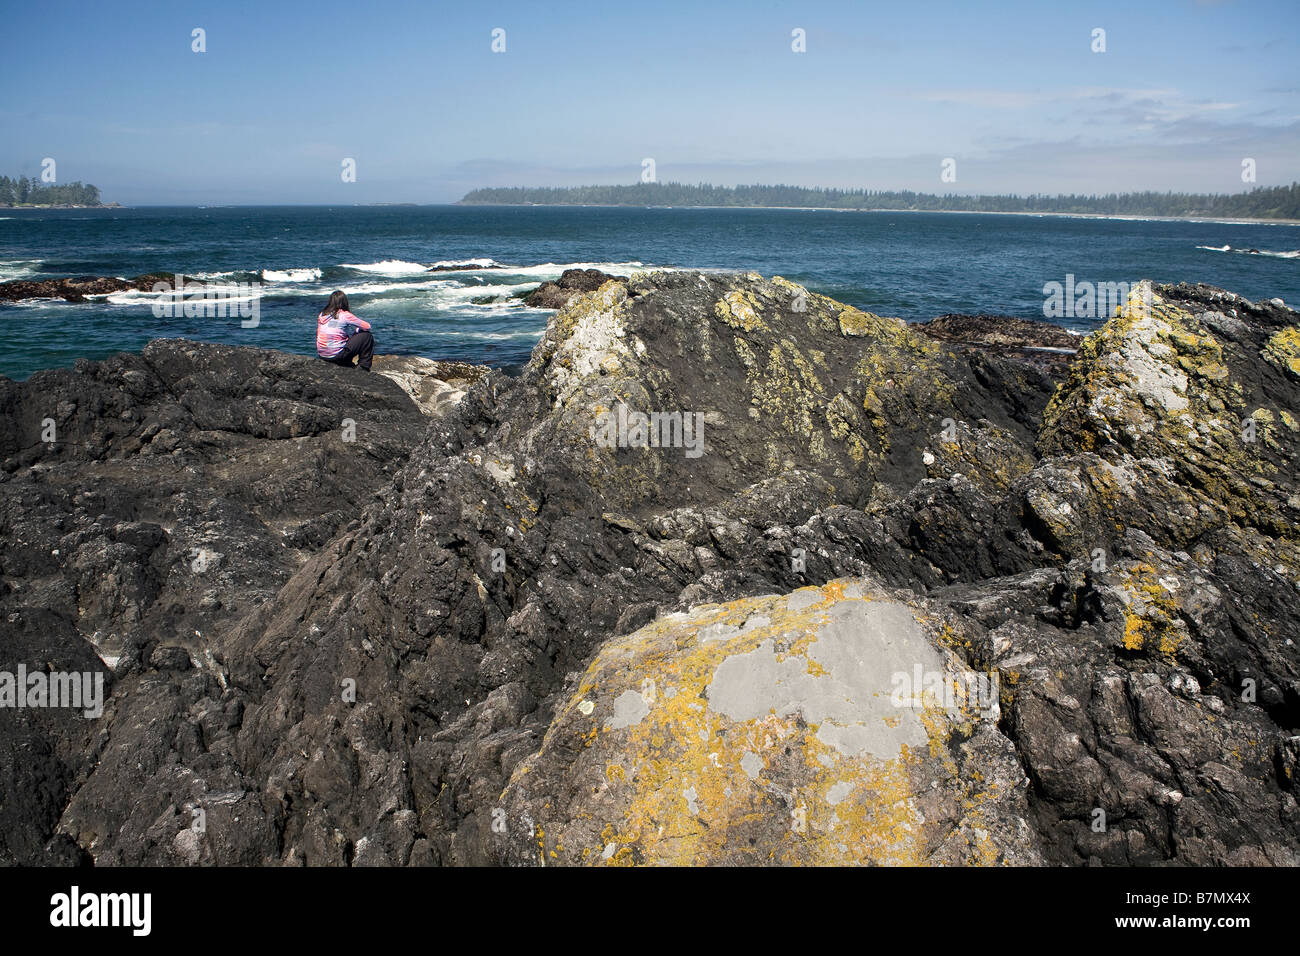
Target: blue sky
pixel 412 91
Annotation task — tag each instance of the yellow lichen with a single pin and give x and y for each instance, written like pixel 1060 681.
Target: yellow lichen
pixel 1151 615
pixel 690 784
pixel 1283 351
pixel 739 308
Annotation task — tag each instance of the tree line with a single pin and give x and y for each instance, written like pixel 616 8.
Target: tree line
pixel 1262 202
pixel 26 191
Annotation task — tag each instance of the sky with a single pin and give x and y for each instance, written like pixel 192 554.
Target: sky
pixel 414 94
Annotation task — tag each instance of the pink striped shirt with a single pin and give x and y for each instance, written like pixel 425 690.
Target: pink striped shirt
pixel 331 334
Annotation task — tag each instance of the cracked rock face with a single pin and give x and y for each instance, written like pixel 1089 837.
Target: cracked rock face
pixel 918 599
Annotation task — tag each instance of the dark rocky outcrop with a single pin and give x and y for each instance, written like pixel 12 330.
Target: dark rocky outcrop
pixel 1047 347
pixel 557 294
pixel 520 644
pixel 463 266
pixel 183 487
pixel 1003 330
pixel 75 289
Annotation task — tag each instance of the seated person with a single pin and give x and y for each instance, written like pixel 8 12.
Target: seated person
pixel 341 337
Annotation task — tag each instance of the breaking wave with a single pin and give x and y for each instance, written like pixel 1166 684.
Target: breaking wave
pixel 290 275
pixel 1290 254
pixel 389 267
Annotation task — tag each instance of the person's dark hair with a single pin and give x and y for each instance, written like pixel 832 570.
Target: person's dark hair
pixel 338 303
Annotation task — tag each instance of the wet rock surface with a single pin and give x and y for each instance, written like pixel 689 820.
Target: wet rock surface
pixel 541 636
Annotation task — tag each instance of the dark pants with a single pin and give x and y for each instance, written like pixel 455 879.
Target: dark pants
pixel 361 346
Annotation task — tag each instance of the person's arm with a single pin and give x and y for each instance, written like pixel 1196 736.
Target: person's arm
pixel 359 323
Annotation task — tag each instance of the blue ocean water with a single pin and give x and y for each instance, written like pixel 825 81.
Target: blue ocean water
pixel 912 265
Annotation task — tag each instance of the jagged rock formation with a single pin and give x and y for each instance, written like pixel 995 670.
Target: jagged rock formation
pixel 558 294
pixel 543 642
pixel 181 488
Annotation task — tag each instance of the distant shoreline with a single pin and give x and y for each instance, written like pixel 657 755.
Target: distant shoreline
pixel 1234 221
pixel 1260 204
pixel 1242 221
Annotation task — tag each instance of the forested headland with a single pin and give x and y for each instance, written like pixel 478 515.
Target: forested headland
pixel 1264 202
pixel 27 191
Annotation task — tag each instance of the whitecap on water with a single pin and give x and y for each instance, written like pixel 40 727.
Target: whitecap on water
pixel 17 268
pixel 290 275
pixel 466 264
pixel 1288 254
pixel 389 267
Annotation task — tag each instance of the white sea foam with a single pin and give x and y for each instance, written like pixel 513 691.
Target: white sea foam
pixel 394 279
pixel 467 264
pixel 389 267
pixel 438 291
pixel 546 269
pixel 467 293
pixel 541 269
pixel 1288 254
pixel 290 275
pixel 209 276
pixel 491 336
pixel 230 292
pixel 17 268
pixel 379 288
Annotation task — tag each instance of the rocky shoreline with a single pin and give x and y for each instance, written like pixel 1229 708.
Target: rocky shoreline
pixel 958 593
pixel 547 295
pixel 77 288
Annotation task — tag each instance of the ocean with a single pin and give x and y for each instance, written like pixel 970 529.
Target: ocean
pixel 912 265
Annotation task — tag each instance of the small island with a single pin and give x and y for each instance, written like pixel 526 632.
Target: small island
pixel 27 193
pixel 1263 202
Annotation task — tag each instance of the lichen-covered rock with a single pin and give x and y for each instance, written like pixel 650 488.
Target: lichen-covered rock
pixel 1179 419
pixel 776 378
pixel 558 294
pixel 827 726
